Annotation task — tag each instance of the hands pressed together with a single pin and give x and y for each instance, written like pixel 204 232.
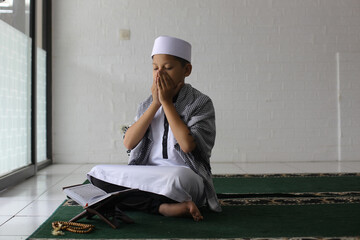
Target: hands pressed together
pixel 164 89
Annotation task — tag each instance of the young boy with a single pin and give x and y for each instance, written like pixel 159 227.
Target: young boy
pixel 170 142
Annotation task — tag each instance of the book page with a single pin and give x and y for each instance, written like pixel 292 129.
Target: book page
pixel 86 194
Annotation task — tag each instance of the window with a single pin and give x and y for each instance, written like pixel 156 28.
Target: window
pixel 24 88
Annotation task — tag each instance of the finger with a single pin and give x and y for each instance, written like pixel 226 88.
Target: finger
pixel 159 82
pixel 154 84
pixel 163 81
pixel 157 79
pixel 168 80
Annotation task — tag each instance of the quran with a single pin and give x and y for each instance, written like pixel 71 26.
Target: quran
pixel 87 194
pixel 95 200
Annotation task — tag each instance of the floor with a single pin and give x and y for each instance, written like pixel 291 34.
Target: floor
pixel 25 207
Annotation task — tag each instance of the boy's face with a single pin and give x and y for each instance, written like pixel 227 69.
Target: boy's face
pixel 169 64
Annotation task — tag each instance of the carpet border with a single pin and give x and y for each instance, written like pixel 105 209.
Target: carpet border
pixel 279 175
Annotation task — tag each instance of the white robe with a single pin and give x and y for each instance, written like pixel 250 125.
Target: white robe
pixel 175 182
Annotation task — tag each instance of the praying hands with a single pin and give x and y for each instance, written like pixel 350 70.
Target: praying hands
pixel 166 87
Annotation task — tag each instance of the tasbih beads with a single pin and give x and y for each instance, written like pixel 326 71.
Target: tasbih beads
pixel 71 227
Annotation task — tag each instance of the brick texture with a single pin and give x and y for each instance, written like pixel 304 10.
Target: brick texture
pixel 270 67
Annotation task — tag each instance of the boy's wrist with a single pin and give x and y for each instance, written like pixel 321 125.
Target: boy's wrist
pixel 166 104
pixel 155 105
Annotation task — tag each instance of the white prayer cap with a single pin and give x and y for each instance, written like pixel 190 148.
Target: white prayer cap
pixel 172 46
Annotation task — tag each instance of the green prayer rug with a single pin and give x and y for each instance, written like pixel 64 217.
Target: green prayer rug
pixel 254 206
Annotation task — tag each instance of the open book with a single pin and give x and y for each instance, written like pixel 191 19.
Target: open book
pixel 87 194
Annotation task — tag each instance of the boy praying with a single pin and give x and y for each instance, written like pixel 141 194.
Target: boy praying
pixel 170 142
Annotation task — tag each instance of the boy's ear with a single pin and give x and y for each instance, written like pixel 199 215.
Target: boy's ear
pixel 188 68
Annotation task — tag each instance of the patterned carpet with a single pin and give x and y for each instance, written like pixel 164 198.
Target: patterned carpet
pixel 276 206
pixel 290 198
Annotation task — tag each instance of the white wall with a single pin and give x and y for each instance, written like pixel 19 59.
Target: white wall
pixel 270 67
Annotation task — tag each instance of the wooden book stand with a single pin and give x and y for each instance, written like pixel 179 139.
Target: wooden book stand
pixel 106 210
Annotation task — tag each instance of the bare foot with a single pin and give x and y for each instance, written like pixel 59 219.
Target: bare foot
pixel 194 211
pixel 184 209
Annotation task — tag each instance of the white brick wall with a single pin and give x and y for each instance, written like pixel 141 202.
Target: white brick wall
pixel 269 66
pixel 349 72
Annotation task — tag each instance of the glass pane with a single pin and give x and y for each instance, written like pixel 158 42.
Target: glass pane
pixel 41 105
pixel 15 89
pixel 16 13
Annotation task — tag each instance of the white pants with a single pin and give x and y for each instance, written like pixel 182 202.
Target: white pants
pixel 175 182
